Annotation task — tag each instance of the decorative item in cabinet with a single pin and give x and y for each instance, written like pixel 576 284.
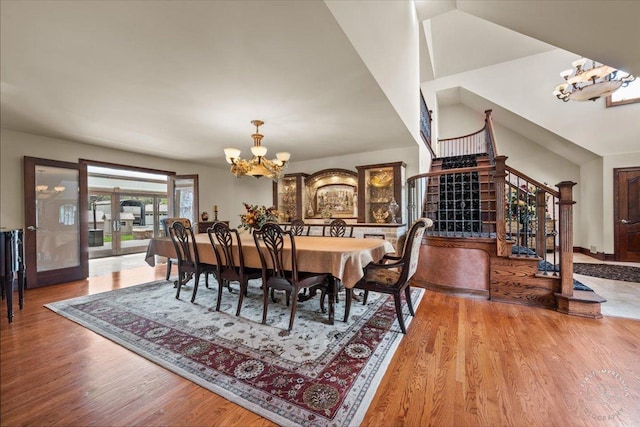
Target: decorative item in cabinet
pixel 381 198
pixel 288 196
pixel 331 193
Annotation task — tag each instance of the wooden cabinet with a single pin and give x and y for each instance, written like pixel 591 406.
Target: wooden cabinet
pixel 288 196
pixel 381 195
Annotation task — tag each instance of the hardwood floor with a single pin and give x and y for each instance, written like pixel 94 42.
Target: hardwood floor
pixel 464 361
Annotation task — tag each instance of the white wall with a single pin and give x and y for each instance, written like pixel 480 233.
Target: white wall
pixel 386 36
pixel 603 131
pixel 217 186
pixel 591 196
pixel 407 155
pixel 458 120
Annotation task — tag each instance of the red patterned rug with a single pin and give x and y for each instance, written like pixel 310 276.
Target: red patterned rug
pixel 318 375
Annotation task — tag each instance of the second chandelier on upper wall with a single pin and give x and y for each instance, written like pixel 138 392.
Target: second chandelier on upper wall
pixel 258 165
pixel 588 81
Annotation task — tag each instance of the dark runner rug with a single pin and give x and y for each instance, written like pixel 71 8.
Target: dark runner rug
pixel 608 271
pixel 318 375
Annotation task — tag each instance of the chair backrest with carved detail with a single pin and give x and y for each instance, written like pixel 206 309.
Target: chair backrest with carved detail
pixel 299 228
pixel 272 238
pixel 222 239
pixel 338 228
pixel 184 243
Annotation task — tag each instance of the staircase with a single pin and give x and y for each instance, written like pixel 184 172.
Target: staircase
pixel 496 231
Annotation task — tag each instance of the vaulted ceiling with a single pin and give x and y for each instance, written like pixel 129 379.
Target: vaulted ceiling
pixel 184 79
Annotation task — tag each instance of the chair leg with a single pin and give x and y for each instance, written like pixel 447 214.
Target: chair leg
pixel 398 301
pixel 265 303
pixel 333 291
pixel 338 287
pixel 323 294
pixel 220 286
pixel 243 291
pixel 407 294
pixel 364 298
pixel 179 284
pixel 168 268
pixel 347 305
pixel 294 306
pixel 195 287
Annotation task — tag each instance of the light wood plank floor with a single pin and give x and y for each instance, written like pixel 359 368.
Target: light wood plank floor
pixel 464 362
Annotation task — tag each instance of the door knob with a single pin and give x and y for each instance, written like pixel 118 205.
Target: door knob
pixel 31 228
pixel 624 221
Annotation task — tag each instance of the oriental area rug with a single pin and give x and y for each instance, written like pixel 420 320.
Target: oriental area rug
pixel 317 375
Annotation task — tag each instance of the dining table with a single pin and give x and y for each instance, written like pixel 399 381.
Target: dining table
pixel 344 258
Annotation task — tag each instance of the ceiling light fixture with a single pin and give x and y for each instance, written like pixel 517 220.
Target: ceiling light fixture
pixel 258 165
pixel 590 83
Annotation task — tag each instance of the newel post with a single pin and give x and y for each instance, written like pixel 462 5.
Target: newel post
pixel 565 227
pixel 499 183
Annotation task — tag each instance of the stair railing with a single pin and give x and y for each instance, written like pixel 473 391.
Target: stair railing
pixel 480 142
pixel 537 221
pixel 526 217
pixel 458 201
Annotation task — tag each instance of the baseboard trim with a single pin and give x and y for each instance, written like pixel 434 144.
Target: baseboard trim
pixel 450 290
pixel 601 256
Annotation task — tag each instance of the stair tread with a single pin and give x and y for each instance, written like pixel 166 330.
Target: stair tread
pixel 586 296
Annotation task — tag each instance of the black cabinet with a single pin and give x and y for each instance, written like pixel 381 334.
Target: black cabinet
pixel 12 267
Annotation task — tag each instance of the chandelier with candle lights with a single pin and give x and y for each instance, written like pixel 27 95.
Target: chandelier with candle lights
pixel 588 81
pixel 258 165
pixel 43 191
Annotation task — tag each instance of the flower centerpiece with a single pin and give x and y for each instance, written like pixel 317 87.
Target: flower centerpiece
pixel 257 216
pixel 521 205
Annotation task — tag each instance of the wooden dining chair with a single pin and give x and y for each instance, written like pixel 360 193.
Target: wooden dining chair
pixel 222 239
pixel 393 273
pixel 166 223
pixel 299 227
pixel 337 228
pixel 270 241
pixel 189 263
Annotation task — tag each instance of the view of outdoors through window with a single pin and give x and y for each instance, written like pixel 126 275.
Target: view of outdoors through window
pixel 126 209
pixel 626 95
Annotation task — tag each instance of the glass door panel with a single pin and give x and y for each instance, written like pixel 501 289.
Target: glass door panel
pixel 137 225
pixel 56 221
pixel 183 194
pixel 123 223
pixel 100 235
